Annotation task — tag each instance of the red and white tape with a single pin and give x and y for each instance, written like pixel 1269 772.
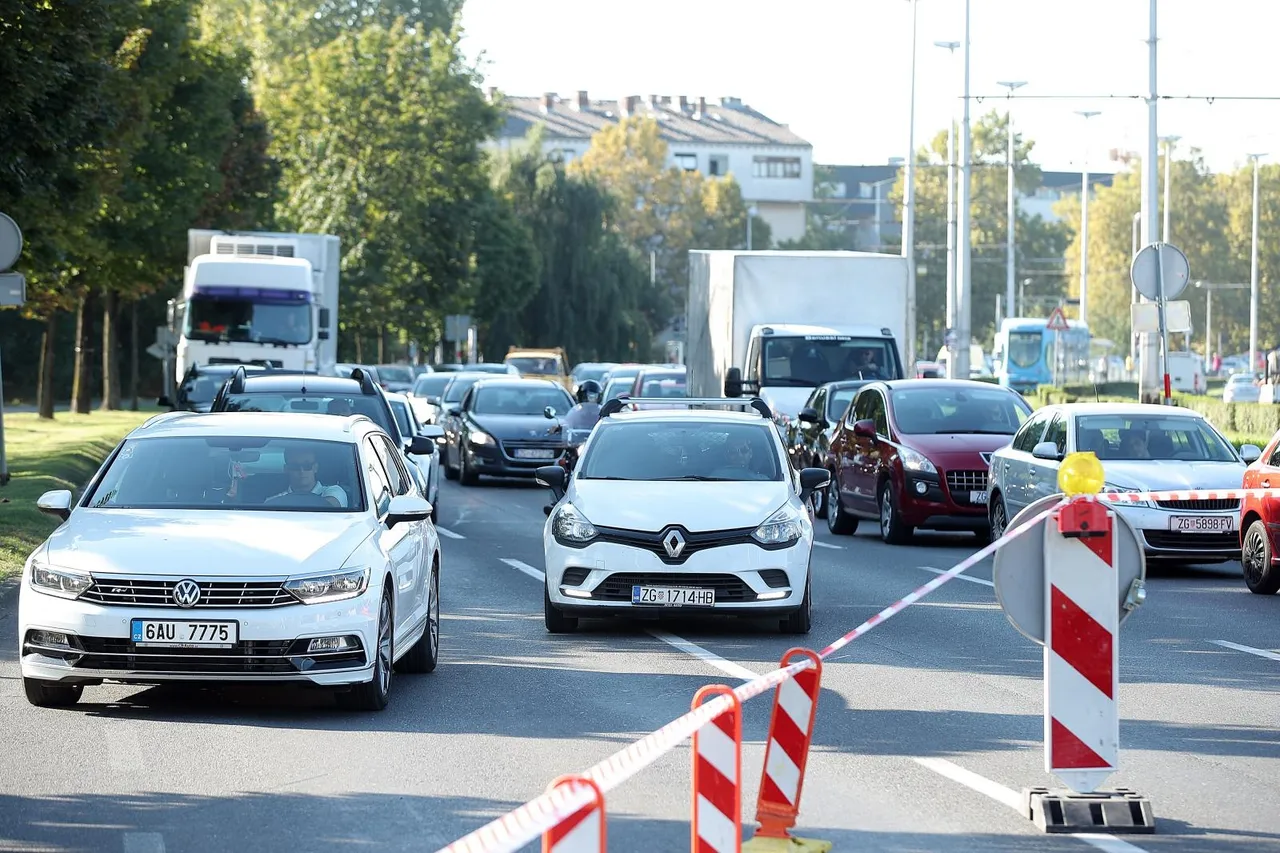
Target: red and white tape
pixel 1184 495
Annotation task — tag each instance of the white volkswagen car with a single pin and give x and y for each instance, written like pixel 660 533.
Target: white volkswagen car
pixel 680 511
pixel 236 547
pixel 1142 448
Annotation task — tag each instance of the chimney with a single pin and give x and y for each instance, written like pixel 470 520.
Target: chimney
pixel 583 103
pixel 548 102
pixel 655 101
pixel 627 106
pixel 492 95
pixel 702 107
pixel 684 104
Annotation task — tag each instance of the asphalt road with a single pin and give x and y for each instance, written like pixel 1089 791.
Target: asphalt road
pixel 927 727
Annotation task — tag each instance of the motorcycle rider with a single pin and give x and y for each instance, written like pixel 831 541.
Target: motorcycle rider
pixel 583 416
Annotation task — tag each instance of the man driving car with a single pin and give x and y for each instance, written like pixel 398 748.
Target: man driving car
pixel 302 468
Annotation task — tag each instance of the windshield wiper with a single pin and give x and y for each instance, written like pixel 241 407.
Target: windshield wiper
pixel 626 479
pixel 279 342
pixel 702 478
pixel 972 432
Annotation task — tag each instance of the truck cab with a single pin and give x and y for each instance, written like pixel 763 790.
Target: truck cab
pixel 541 363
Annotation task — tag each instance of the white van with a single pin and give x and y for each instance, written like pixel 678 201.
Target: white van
pixel 1186 372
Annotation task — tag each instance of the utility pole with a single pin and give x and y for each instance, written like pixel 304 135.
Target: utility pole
pixel 1012 213
pixel 951 201
pixel 1149 390
pixel 958 367
pixel 909 204
pixel 1084 226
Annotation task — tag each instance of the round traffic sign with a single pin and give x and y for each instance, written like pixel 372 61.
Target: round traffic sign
pixel 1146 267
pixel 10 242
pixel 1018 572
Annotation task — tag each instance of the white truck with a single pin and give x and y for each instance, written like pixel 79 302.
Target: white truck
pixel 257 297
pixel 779 324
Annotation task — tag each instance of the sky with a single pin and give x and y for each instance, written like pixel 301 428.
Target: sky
pixel 838 72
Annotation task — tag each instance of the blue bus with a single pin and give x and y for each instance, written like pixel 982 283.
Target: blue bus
pixel 1027 354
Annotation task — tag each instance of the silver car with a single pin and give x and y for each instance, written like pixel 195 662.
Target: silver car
pixel 1142 448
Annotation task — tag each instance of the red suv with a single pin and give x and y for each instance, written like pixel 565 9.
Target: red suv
pixel 1260 523
pixel 915 453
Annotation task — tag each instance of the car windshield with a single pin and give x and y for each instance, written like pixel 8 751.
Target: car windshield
pixel 1025 348
pixel 431 384
pixel 395 373
pixel 1188 439
pixel 681 450
pixel 202 388
pixel 616 388
pixel 596 372
pixel 324 404
pixel 838 403
pixel 817 359
pixel 489 368
pixel 231 473
pixel 517 400
pixel 221 318
pixel 538 366
pixel 459 387
pixel 401 411
pixel 942 411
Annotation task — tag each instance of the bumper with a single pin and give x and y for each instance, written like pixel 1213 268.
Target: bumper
pixel 492 462
pixel 272 643
pixel 1159 542
pixel 936 509
pixel 597 580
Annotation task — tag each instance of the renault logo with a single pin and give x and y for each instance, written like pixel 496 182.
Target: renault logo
pixel 674 543
pixel 186 593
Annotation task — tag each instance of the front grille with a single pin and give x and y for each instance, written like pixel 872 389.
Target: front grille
pixel 156 592
pixel 961 483
pixel 247 657
pixel 693 542
pixel 729 588
pixel 1205 504
pixel 1174 540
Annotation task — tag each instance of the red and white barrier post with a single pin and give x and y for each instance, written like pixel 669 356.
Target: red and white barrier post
pixel 717 777
pixel 584 830
pixel 795 708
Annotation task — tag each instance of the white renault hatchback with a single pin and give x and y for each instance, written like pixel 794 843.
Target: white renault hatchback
pixel 678 511
pixel 236 547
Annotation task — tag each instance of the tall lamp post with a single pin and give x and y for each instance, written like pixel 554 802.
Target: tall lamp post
pixel 1253 272
pixel 1013 208
pixel 751 214
pixel 1168 181
pixel 1209 287
pixel 1084 226
pixel 951 202
pixel 958 366
pixel 909 203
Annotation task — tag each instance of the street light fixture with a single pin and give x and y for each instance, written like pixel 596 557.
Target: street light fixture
pixel 1084 225
pixel 1013 209
pixel 951 46
pixel 1168 180
pixel 1253 272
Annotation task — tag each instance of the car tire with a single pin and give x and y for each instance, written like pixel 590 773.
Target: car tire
pixel 818 500
pixel 51 694
pixel 466 476
pixel 892 529
pixel 373 694
pixel 450 473
pixel 839 522
pixel 983 536
pixel 800 621
pixel 425 654
pixel 556 621
pixel 1260 575
pixel 998 515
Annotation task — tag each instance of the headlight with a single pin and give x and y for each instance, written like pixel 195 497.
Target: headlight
pixel 59 582
pixel 318 589
pixel 1111 488
pixel 570 526
pixel 481 438
pixel 917 462
pixel 785 525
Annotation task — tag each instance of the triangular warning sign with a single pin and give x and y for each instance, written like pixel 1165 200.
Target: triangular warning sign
pixel 1057 321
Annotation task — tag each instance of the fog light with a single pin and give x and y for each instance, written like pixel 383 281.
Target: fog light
pixel 771 596
pixel 574 593
pixel 921 487
pixel 332 644
pixel 50 639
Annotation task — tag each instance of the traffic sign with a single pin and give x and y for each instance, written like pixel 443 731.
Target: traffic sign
pixel 13 289
pixel 1057 321
pixel 1145 316
pixel 157 351
pixel 10 242
pixel 455 327
pixel 1146 267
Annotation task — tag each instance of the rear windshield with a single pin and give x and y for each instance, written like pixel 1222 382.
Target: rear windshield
pixel 459 387
pixel 516 400
pixel 323 404
pixel 395 373
pixel 431 384
pixel 671 450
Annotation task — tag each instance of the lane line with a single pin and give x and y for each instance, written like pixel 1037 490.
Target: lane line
pixel 143 842
pixel 444 531
pixel 1262 653
pixel 818 544
pixel 697 651
pixel 959 577
pixel 529 570
pixel 1011 798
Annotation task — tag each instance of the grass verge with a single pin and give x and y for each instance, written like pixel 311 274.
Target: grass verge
pixel 59 454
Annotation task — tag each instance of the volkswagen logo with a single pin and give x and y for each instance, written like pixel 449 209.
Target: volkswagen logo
pixel 674 543
pixel 186 593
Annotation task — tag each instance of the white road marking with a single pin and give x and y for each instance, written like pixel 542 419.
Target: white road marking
pixel 143 842
pixel 697 651
pixel 1011 798
pixel 818 544
pixel 1262 653
pixel 959 577
pixel 529 570
pixel 444 531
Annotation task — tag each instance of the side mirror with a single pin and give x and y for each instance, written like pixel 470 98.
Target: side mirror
pixel 733 382
pixel 811 480
pixel 433 400
pixel 809 415
pixel 1046 450
pixel 1250 453
pixel 549 413
pixel 324 323
pixel 865 428
pixel 164 402
pixel 454 411
pixel 421 445
pixel 553 477
pixel 407 508
pixel 57 502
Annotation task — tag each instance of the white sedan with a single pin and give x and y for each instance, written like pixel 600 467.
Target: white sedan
pixel 236 547
pixel 1241 388
pixel 427 464
pixel 678 512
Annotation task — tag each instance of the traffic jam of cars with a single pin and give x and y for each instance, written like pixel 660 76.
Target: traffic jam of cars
pixel 279 526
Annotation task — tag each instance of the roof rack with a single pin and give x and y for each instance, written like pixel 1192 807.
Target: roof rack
pixel 367 385
pixel 617 404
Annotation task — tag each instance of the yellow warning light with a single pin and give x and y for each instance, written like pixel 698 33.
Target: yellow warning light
pixel 1080 474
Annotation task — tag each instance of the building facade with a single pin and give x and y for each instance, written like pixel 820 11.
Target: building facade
pixel 772 164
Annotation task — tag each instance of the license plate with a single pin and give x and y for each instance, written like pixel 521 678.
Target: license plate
pixel 673 596
pixel 977 497
pixel 1203 523
pixel 178 634
pixel 535 453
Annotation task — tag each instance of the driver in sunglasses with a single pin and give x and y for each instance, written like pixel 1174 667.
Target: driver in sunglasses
pixel 301 466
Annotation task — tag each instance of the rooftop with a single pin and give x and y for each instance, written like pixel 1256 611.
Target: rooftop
pixel 301 425
pixel 682 119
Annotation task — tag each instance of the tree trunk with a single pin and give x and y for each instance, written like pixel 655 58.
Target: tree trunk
pixel 133 357
pixel 359 347
pixel 81 396
pixel 110 354
pixel 44 395
pixel 382 345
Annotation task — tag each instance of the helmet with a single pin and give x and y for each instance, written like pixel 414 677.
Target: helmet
pixel 589 392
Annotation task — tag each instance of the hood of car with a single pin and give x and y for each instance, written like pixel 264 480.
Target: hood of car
pixel 515 426
pixel 697 506
pixel 1173 474
pixel 205 542
pixel 949 443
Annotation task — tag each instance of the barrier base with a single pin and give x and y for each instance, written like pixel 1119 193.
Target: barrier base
pixel 785 845
pixel 1116 811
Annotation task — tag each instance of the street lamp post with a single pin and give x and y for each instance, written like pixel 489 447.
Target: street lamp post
pixel 1209 287
pixel 951 202
pixel 751 214
pixel 909 203
pixel 1084 226
pixel 1013 209
pixel 958 366
pixel 1253 272
pixel 1168 180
